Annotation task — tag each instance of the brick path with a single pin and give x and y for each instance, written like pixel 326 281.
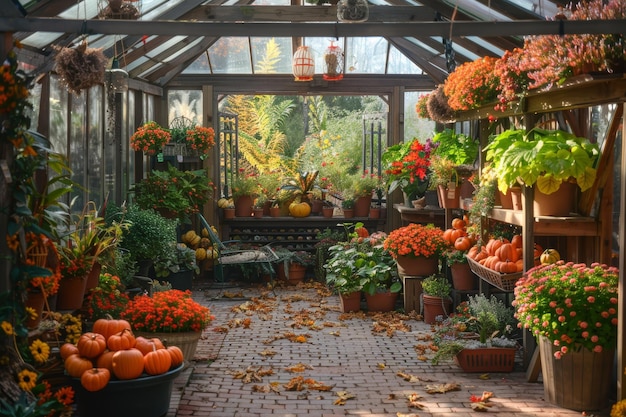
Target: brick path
pixel 349 358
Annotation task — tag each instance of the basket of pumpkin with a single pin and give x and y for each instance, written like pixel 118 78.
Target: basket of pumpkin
pixel 116 373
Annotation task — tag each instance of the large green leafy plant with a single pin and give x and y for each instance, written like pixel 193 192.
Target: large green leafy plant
pixel 542 157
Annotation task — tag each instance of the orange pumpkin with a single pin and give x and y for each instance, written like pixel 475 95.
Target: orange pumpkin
pixel 127 364
pixel 91 345
pixel 75 365
pixel 507 252
pixel 177 355
pixel 122 340
pixel 299 209
pixel 106 360
pixel 146 345
pixel 447 236
pixel 458 223
pixel 538 250
pixel 472 252
pixel 516 241
pixel 95 379
pixel 157 362
pixel 108 327
pixel 462 243
pixel 67 349
pixel 457 233
pixel 506 267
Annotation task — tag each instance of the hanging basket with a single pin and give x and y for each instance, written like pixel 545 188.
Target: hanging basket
pixel 37 253
pixel 80 68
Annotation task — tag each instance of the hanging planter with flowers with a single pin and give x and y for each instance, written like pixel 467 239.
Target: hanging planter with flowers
pixel 150 138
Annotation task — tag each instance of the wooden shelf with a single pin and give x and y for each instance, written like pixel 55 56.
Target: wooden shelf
pixel 549 225
pixel 437 216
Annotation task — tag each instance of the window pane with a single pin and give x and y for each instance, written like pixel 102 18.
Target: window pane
pixel 230 55
pixel 185 103
pixel 77 148
pixel 94 145
pixel 271 55
pixel 366 55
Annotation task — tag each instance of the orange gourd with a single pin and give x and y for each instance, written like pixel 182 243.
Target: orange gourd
pixel 157 362
pixel 458 223
pixel 447 236
pixel 177 355
pixel 506 267
pixel 95 379
pixel 75 365
pixel 457 233
pixel 127 364
pixel 516 241
pixel 67 349
pixel 109 327
pixel 122 340
pixel 520 265
pixel 549 256
pixel 106 360
pixel 507 252
pixel 91 345
pixel 146 345
pixel 299 209
pixel 462 243
pixel 472 252
pixel 538 250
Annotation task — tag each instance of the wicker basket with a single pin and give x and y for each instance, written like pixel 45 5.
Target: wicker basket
pixel 505 282
pixel 490 359
pixel 173 149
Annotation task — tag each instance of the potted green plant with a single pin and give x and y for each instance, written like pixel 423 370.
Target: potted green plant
pixel 436 298
pixel 174 193
pixel 479 336
pixel 347 204
pixel 148 237
pixel 244 188
pixel 463 279
pixel 177 266
pixel 341 275
pixel 547 159
pixel 363 187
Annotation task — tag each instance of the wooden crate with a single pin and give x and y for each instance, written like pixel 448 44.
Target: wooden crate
pixel 412 293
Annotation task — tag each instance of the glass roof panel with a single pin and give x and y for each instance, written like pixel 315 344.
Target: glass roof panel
pixel 366 55
pixel 199 66
pixel 230 55
pixel 400 64
pixel 271 55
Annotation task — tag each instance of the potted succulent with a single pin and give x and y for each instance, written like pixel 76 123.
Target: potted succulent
pixel 436 298
pixel 572 310
pixel 479 336
pixel 547 159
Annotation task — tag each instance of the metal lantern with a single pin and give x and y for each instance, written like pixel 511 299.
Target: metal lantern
pixel 117 78
pixel 333 63
pixel 303 64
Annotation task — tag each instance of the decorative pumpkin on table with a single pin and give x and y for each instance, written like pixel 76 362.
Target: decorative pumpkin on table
pixel 299 209
pixel 549 256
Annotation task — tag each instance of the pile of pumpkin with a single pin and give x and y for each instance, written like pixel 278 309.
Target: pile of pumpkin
pixel 111 351
pixel 457 235
pixel 507 256
pixel 201 243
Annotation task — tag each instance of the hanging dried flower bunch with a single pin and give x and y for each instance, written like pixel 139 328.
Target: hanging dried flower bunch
pixel 81 67
pixel 118 9
pixel 438 107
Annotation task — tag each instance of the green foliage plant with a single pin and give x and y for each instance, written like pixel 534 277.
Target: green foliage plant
pixel 436 286
pixel 458 148
pixel 542 157
pixel 178 258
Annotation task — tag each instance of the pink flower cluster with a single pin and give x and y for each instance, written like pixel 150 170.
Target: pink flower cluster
pixel 571 304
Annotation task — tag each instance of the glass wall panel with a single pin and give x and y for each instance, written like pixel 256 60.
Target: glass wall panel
pixel 366 55
pixel 185 103
pixel 78 147
pixel 414 126
pixel 271 55
pixel 95 138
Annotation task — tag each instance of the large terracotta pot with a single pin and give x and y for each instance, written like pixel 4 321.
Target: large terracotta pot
pixel 419 266
pixel 448 197
pixel 362 206
pixel 243 206
pixel 463 279
pixel 350 302
pixel 295 273
pixel 559 203
pixel 435 307
pixel 580 380
pixel 383 301
pixel 71 293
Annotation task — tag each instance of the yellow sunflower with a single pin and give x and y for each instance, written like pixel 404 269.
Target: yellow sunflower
pixel 27 380
pixel 40 351
pixel 8 328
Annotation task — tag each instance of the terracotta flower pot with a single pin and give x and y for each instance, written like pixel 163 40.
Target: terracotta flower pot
pixel 435 307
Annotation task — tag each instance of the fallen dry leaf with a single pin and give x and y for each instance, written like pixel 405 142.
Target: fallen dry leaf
pixel 381 365
pixel 399 414
pixel 252 374
pixel 268 352
pixel 299 367
pixel 480 406
pixel 343 397
pixel 335 333
pixel 411 378
pixel 413 401
pixel 443 388
pixel 484 376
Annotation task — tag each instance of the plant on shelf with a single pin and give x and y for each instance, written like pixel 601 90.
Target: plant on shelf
pixel 472 84
pixel 416 240
pixel 407 166
pixel 456 147
pixel 542 157
pixel 364 184
pixel 174 192
pixel 177 258
pixel 150 138
pixel 301 186
pixel 244 184
pixel 105 300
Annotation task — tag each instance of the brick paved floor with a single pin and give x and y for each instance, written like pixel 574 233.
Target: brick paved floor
pixel 345 355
